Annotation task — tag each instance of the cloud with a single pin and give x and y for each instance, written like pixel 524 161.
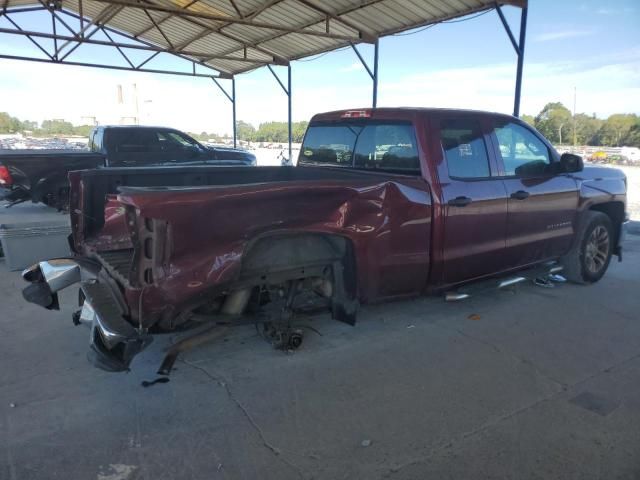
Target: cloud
pixel 561 35
pixel 354 67
pixel 606 83
pixel 614 11
pixel 603 89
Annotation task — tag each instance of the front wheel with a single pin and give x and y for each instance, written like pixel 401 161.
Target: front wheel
pixel 589 259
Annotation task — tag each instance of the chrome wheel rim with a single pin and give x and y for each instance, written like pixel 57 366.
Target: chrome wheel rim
pixel 597 249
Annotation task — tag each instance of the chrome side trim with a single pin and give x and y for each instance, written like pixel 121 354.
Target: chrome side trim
pixel 455 296
pixel 510 281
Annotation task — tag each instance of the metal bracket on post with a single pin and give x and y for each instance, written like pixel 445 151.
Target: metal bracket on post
pixel 519 48
pixel 373 74
pixel 232 99
pixel 287 90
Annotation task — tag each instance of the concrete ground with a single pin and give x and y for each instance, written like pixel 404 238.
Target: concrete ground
pixel 527 384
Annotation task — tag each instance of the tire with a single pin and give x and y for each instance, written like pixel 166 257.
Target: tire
pixel 589 258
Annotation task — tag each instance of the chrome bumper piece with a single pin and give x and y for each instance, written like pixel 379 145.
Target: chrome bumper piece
pixel 113 340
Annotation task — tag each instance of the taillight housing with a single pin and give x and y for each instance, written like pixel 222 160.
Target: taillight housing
pixel 5 176
pixel 356 114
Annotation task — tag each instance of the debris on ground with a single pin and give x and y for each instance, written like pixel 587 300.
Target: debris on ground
pixel 147 383
pixel 543 282
pixel 474 316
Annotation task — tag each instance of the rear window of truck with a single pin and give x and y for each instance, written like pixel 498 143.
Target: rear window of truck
pixel 363 145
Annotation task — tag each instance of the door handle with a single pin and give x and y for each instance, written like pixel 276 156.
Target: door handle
pixel 459 202
pixel 520 195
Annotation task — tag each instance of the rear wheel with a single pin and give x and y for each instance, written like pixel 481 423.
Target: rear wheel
pixel 589 259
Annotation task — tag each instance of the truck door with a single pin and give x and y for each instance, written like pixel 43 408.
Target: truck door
pixel 474 200
pixel 542 204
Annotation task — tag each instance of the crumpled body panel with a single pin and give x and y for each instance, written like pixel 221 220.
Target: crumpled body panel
pixel 386 218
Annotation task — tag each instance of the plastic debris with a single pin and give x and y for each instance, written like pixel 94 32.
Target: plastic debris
pixel 543 282
pixel 554 277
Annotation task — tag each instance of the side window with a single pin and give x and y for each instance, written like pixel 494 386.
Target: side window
pixel 91 143
pixel 523 153
pixel 97 140
pixel 387 146
pixel 464 148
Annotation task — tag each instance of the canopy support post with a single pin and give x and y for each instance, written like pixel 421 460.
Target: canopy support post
pixel 373 74
pixel 287 90
pixel 233 108
pixel 289 94
pixel 523 31
pixel 232 98
pixel 519 49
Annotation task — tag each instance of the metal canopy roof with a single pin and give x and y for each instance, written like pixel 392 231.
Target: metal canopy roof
pixel 235 36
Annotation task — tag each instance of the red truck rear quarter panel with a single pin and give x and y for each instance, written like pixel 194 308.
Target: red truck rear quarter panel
pixel 387 218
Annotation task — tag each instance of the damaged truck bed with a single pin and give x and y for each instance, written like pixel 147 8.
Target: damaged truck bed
pixel 384 204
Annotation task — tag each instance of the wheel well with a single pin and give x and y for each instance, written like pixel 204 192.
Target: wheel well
pixel 284 256
pixel 615 212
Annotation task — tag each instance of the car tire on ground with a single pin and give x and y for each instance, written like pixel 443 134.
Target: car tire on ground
pixel 589 258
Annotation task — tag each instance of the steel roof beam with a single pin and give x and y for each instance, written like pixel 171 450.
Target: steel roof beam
pixel 222 18
pixel 366 36
pixel 223 73
pixel 55 15
pixel 153 22
pixel 367 3
pixel 163 19
pixel 262 8
pixel 104 16
pixel 28 35
pixel 20 10
pixel 118 48
pixel 108 67
pixel 235 7
pixel 119 45
pixel 507 29
pixel 277 60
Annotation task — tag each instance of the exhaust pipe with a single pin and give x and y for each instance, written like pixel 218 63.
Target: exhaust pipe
pixel 236 302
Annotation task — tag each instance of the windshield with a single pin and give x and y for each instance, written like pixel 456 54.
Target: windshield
pixel 364 145
pixel 172 140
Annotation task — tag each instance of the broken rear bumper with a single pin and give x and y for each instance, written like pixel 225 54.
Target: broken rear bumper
pixel 113 341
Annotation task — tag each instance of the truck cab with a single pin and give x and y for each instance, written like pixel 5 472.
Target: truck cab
pixel 136 145
pixel 503 198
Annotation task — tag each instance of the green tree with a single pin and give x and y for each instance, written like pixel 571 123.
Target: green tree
pixel 29 126
pixel 616 128
pixel 554 122
pixel 587 128
pixel 83 130
pixel 245 131
pixel 57 127
pixel 9 124
pixel 299 129
pixel 530 119
pixel 632 138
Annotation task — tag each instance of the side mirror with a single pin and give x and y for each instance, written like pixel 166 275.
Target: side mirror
pixel 570 163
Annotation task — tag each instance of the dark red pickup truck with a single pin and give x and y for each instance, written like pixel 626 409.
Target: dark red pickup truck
pixel 383 204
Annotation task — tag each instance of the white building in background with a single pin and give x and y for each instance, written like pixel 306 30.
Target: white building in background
pixel 128 108
pixel 632 153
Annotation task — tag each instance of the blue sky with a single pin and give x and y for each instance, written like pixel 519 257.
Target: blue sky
pixel 591 45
